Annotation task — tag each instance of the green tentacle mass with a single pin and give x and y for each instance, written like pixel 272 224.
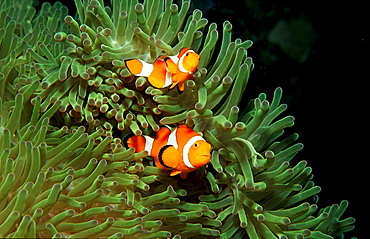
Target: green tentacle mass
pixel 67 102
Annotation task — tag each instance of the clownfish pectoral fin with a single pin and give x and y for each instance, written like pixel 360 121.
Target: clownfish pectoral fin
pixel 175 172
pixel 168 156
pixel 181 86
pixel 173 85
pixel 139 68
pixel 171 65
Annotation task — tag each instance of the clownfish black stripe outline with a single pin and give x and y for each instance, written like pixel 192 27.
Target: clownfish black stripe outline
pixel 160 155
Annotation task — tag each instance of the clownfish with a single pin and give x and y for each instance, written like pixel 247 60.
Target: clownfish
pixel 182 66
pixel 167 70
pixel 181 149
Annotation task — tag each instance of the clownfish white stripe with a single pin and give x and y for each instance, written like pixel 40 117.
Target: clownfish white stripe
pixel 168 79
pixel 181 62
pixel 175 59
pixel 148 144
pixel 172 140
pixel 185 152
pixel 146 70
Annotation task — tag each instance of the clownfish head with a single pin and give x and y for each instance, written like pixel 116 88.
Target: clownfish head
pixel 188 61
pixel 199 153
pixel 191 61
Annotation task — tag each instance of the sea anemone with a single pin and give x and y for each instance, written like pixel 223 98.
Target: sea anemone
pixel 67 101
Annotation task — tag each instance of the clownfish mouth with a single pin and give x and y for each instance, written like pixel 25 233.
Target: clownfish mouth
pixel 206 156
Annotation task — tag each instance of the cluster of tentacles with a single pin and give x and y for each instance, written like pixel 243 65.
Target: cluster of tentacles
pixel 67 100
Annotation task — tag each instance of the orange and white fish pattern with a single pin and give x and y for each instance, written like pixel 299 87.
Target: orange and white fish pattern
pixel 181 149
pixel 182 66
pixel 167 70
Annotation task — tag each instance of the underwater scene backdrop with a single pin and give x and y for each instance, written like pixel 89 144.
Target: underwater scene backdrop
pixel 69 103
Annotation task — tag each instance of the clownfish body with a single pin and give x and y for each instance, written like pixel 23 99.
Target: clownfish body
pixel 167 70
pixel 157 73
pixel 181 150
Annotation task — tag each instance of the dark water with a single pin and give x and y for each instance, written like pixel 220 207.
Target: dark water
pixel 318 54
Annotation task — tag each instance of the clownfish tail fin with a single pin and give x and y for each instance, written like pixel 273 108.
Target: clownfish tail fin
pixel 139 143
pixel 138 67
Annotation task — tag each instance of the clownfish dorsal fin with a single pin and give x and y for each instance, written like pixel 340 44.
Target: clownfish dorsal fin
pixel 183 51
pixel 168 156
pixel 163 134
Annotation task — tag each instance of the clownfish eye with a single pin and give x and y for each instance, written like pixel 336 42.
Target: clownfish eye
pixel 196 145
pixel 187 54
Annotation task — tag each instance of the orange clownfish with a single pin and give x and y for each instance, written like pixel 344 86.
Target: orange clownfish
pixel 181 150
pixel 167 70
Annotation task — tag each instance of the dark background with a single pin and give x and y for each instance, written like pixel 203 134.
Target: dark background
pixel 317 51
